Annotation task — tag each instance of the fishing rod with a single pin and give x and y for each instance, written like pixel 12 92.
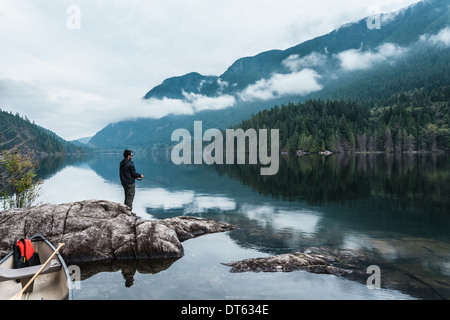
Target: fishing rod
pixel 140 179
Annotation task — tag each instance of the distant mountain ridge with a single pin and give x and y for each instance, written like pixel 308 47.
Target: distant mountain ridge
pixel 401 28
pixel 409 51
pixel 173 87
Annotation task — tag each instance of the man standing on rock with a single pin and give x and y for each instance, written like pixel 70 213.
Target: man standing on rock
pixel 128 175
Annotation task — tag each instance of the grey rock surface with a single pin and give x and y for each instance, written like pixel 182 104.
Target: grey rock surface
pixel 102 230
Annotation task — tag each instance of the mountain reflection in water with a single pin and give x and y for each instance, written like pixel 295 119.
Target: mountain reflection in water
pixel 394 207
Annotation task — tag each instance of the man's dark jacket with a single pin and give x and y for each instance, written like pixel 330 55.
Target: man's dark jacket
pixel 128 172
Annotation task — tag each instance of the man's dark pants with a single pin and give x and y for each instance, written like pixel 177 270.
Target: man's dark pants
pixel 129 194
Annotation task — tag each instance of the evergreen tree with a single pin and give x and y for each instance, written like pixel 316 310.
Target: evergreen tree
pixel 413 121
pixel 389 145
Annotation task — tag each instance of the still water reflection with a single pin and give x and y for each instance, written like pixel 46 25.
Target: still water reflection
pixel 396 208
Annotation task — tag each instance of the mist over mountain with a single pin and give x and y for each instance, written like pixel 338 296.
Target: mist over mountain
pixel 173 88
pixel 370 60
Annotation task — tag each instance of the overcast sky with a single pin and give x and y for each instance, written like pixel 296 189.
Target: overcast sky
pixel 75 66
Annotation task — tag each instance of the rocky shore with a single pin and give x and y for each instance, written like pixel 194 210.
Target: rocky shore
pixel 95 230
pixel 106 236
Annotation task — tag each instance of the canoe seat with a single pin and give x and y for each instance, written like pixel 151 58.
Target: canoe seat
pixel 28 272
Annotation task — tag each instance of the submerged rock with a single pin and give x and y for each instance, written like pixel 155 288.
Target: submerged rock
pixel 102 230
pixel 287 263
pixel 353 264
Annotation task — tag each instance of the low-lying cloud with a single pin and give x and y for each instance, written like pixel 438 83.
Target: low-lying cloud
pixel 192 103
pixel 301 83
pixel 72 110
pixel 441 38
pixel 296 63
pixel 200 102
pixel 352 60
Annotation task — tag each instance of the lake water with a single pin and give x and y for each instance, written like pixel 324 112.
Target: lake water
pixel 395 207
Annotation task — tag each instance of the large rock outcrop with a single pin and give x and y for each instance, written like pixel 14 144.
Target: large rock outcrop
pixel 102 230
